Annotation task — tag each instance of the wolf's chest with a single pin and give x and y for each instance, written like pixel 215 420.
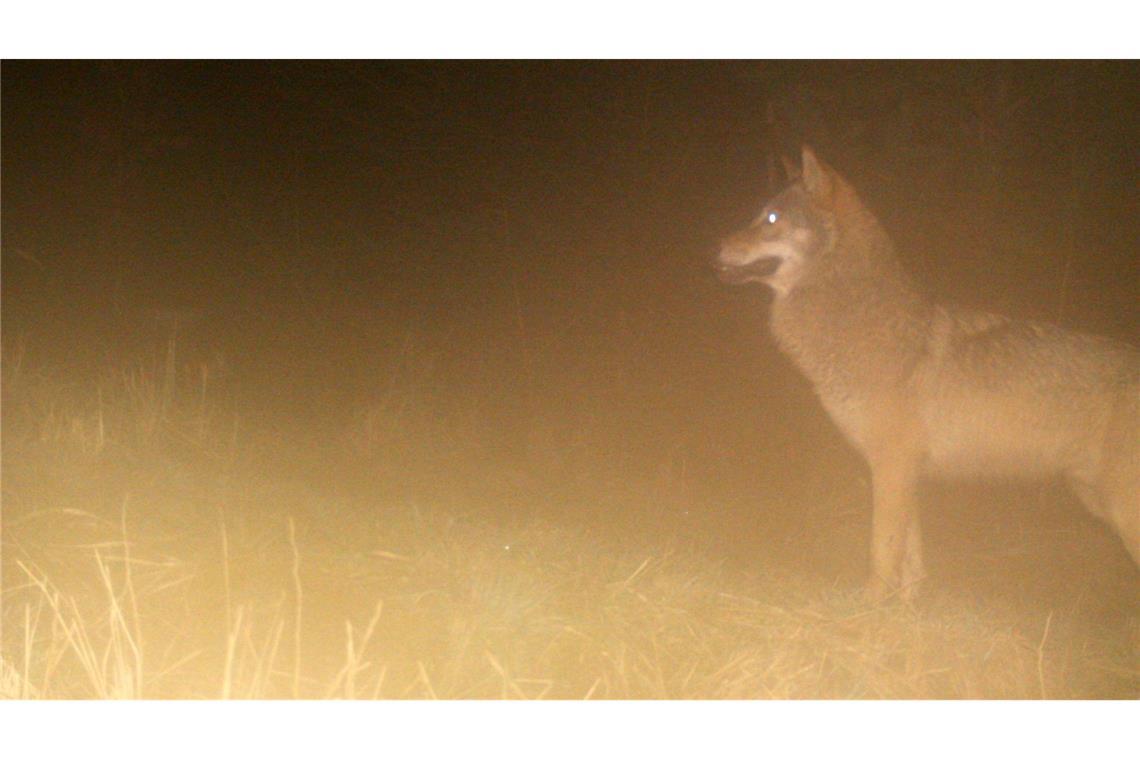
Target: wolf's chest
pixel 851 415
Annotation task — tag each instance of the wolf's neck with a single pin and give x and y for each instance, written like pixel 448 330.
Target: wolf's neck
pixel 858 323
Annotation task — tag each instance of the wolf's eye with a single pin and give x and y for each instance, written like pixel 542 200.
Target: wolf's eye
pixel 771 217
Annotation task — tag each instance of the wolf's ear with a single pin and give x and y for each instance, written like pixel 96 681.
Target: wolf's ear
pixel 791 168
pixel 817 177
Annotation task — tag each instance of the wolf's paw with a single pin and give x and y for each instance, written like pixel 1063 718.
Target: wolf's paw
pixel 879 591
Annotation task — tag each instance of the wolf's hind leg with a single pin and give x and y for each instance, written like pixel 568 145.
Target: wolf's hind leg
pixel 1115 498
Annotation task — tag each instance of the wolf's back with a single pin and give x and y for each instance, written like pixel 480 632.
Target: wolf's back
pixel 1007 397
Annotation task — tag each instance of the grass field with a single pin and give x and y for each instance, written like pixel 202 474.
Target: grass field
pixel 159 541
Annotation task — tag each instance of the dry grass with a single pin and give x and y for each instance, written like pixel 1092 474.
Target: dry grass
pixel 232 583
pixel 440 608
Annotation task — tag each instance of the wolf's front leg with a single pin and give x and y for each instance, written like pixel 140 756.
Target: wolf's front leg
pixel 896 539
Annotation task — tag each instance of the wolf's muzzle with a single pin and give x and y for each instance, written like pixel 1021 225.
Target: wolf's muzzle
pixel 736 274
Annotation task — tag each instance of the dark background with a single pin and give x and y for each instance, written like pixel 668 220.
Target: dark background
pixel 513 256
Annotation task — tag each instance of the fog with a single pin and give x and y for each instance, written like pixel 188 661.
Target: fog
pixel 485 289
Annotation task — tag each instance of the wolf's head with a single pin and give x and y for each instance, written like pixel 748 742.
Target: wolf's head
pixel 793 232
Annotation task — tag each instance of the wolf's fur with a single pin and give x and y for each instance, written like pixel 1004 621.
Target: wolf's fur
pixel 925 389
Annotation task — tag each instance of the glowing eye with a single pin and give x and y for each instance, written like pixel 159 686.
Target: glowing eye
pixel 771 217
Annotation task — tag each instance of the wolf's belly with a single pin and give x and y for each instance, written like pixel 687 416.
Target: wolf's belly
pixel 976 436
pixel 979 437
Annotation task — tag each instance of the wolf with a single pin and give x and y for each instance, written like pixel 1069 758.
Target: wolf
pixel 923 389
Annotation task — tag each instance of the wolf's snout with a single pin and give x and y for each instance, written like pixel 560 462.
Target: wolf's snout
pixel 724 267
pixel 724 272
pixel 719 264
pixel 731 254
pixel 735 270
